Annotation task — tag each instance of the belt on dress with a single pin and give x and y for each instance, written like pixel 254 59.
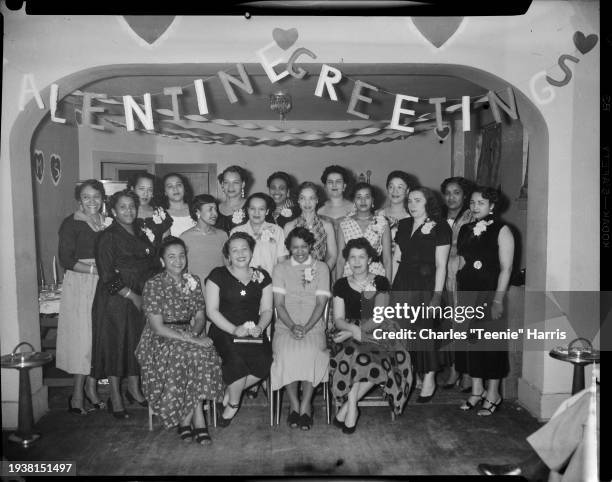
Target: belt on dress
pixel 178 322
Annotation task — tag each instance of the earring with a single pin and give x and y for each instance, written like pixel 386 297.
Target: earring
pixel 162 263
pixel 242 192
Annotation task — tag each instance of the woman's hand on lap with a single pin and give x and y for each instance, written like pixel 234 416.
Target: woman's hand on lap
pixel 241 331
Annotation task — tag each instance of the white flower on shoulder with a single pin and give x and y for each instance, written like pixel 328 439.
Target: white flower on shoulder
pixel 309 273
pixel 257 276
pixel 238 216
pixel 428 226
pixel 286 212
pixel 477 264
pixel 107 222
pixel 191 283
pixel 149 233
pixel 159 215
pixel 481 226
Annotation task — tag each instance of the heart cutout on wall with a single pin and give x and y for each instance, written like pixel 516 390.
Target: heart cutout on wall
pixel 285 38
pixel 148 27
pixel 442 133
pixel 585 44
pixel 437 30
pixel 38 164
pixel 55 165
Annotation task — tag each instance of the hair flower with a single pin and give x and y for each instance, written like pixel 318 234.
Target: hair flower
pixel 481 226
pixel 238 216
pixel 428 226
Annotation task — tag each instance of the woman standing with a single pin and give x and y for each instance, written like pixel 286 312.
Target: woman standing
pixel 77 237
pixel 270 239
pixel 239 304
pixel 335 179
pixel 180 367
pixel 301 291
pixel 363 361
pixel 125 258
pixel 231 210
pixel 487 248
pixel 324 247
pixel 364 224
pixel 398 187
pixel 457 192
pixel 424 240
pixel 279 187
pixel 154 218
pixel 177 196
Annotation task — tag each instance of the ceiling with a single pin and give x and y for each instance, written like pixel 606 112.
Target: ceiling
pixel 414 80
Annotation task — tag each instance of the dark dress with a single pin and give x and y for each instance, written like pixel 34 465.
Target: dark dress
pixel 415 281
pixel 477 283
pixel 230 221
pixel 176 374
pixel 383 363
pixel 239 303
pixel 288 212
pixel 158 223
pixel 122 260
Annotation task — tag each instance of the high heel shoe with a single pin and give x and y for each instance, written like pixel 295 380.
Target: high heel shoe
pixel 467 405
pixel 491 409
pixel 121 414
pixel 224 422
pixel 75 410
pixel 426 399
pixel 349 430
pixel 97 405
pixel 132 400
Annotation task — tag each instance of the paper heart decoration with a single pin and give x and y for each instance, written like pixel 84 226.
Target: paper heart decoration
pixel 38 164
pixel 285 38
pixel 437 30
pixel 149 28
pixel 585 44
pixel 55 165
pixel 442 133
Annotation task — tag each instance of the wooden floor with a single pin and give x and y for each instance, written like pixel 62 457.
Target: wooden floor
pixel 435 438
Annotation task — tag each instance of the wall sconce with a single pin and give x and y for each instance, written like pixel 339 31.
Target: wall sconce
pixel 280 102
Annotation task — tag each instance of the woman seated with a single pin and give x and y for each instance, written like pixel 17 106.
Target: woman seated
pixel 301 291
pixel 363 361
pixel 239 304
pixel 179 365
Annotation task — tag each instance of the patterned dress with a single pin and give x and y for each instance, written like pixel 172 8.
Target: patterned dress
pixel 385 363
pixel 373 233
pixel 239 303
pixel 176 374
pixel 477 283
pixel 306 359
pixel 319 249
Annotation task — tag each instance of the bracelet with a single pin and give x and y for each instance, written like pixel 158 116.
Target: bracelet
pixel 127 293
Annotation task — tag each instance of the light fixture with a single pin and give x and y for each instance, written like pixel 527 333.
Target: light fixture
pixel 280 102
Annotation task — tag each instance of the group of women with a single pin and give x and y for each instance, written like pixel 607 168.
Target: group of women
pixel 141 287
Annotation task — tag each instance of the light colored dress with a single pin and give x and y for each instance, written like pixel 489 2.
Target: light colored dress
pixel 269 244
pixel 373 233
pixel 180 224
pixel 306 359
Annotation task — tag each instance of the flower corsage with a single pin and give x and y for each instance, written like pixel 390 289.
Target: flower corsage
pixel 159 215
pixel 286 212
pixel 257 276
pixel 428 225
pixel 481 226
pixel 379 223
pixel 107 222
pixel 266 235
pixel 309 274
pixel 190 283
pixel 238 216
pixel 149 233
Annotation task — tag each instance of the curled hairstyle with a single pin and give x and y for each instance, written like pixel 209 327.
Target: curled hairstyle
pixel 404 176
pixel 490 194
pixel 279 175
pixel 242 173
pixel 335 170
pixel 114 199
pixel 187 197
pixel 138 176
pixel 432 206
pixel 238 235
pixel 301 233
pixel 363 185
pixel 466 186
pixel 94 184
pixel 359 243
pixel 170 241
pixel 270 204
pixel 198 202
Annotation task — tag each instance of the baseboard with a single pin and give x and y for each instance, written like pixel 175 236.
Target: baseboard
pixel 540 405
pixel 10 408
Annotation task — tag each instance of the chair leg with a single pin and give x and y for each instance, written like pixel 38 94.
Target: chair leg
pixel 271 405
pixel 150 419
pixel 327 399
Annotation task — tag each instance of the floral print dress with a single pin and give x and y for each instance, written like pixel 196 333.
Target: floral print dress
pixel 176 374
pixel 373 233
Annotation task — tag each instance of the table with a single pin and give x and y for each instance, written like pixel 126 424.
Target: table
pixel 25 435
pixel 579 360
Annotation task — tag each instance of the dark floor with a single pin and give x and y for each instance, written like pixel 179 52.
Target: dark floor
pixel 435 438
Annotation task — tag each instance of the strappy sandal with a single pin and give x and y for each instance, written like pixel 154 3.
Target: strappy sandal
pixel 488 411
pixel 202 436
pixel 185 433
pixel 224 422
pixel 467 405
